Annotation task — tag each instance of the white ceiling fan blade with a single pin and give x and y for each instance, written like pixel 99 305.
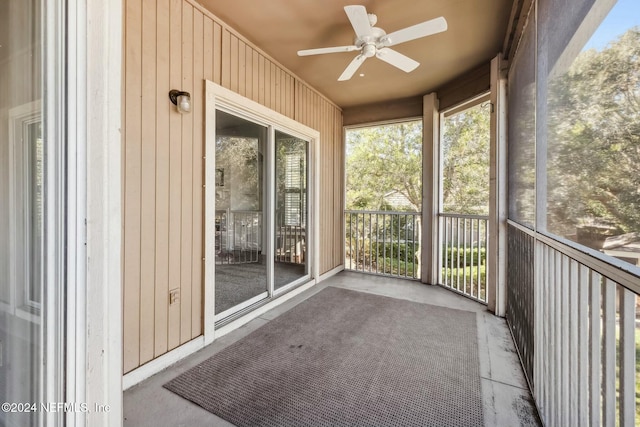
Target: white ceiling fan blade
pixel 322 50
pixel 359 20
pixel 417 31
pixel 397 59
pixel 352 68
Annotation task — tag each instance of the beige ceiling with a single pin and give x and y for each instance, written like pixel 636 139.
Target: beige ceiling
pixel 282 27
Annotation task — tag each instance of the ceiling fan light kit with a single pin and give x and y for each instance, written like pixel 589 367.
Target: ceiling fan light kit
pixel 373 41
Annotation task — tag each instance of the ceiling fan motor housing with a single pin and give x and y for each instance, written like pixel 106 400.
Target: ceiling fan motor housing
pixel 371 42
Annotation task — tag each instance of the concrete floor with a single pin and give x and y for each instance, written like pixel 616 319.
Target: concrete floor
pixel 506 398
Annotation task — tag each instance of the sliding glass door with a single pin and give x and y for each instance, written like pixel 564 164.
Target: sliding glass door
pixel 261 212
pixel 32 212
pixel 241 270
pixel 291 209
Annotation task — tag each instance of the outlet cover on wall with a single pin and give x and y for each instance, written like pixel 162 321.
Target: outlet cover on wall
pixel 174 296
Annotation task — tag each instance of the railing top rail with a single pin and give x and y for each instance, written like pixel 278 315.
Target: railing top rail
pixel 383 212
pixel 243 212
pixel 620 272
pixel 465 216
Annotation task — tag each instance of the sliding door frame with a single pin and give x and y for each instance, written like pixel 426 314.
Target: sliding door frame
pixel 220 98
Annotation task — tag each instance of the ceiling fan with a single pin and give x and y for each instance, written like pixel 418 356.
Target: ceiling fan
pixel 373 41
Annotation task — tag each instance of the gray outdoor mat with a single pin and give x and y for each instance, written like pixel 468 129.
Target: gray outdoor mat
pixel 346 358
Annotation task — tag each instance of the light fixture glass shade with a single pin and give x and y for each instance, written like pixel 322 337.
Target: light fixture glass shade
pixel 182 100
pixel 184 103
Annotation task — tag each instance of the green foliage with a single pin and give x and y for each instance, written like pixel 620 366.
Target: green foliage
pixel 456 256
pixel 396 268
pixel 462 278
pixel 384 258
pixel 382 160
pixel 395 250
pixel 368 251
pixel 594 139
pixel 465 161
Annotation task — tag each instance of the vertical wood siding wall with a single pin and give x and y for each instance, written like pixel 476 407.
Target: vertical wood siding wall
pixel 176 44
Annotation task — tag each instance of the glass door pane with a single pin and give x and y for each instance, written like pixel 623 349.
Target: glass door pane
pixel 241 269
pixel 22 185
pixel 291 169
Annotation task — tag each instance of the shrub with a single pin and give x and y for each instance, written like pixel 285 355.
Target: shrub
pixel 450 257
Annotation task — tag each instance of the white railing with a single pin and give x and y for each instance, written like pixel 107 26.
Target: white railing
pixel 585 338
pixel 463 266
pixel 383 242
pixel 291 244
pixel 239 239
pixel 238 236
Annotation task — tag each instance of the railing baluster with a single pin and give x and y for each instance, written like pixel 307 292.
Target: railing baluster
pixel 547 309
pixel 464 255
pixel 413 239
pixel 366 256
pixel 377 242
pixel 357 241
pixel 405 243
pixel 458 253
pixel 480 247
pixel 384 244
pixel 583 345
pixel 447 249
pixel 627 357
pixel 391 248
pixel 350 241
pixel 389 242
pixel 444 247
pixel 564 340
pixel 595 322
pixel 354 243
pixel 370 245
pixel 609 355
pixel 486 269
pixel 475 265
pixel 573 342
pixel 453 253
pixel 398 251
pixel 296 239
pixel 554 344
pixel 450 253
pixel 364 252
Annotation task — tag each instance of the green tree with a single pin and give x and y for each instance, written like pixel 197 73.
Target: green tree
pixel 593 139
pixel 381 160
pixel 465 162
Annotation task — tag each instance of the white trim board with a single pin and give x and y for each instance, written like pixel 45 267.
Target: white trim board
pixel 158 364
pixel 101 75
pixel 330 273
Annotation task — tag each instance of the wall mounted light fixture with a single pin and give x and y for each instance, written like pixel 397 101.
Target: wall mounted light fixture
pixel 182 100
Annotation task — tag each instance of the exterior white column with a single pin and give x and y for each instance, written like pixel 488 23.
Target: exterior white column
pixel 102 73
pixel 496 258
pixel 430 188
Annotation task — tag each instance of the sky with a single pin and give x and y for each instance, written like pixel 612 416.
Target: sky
pixel 624 15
